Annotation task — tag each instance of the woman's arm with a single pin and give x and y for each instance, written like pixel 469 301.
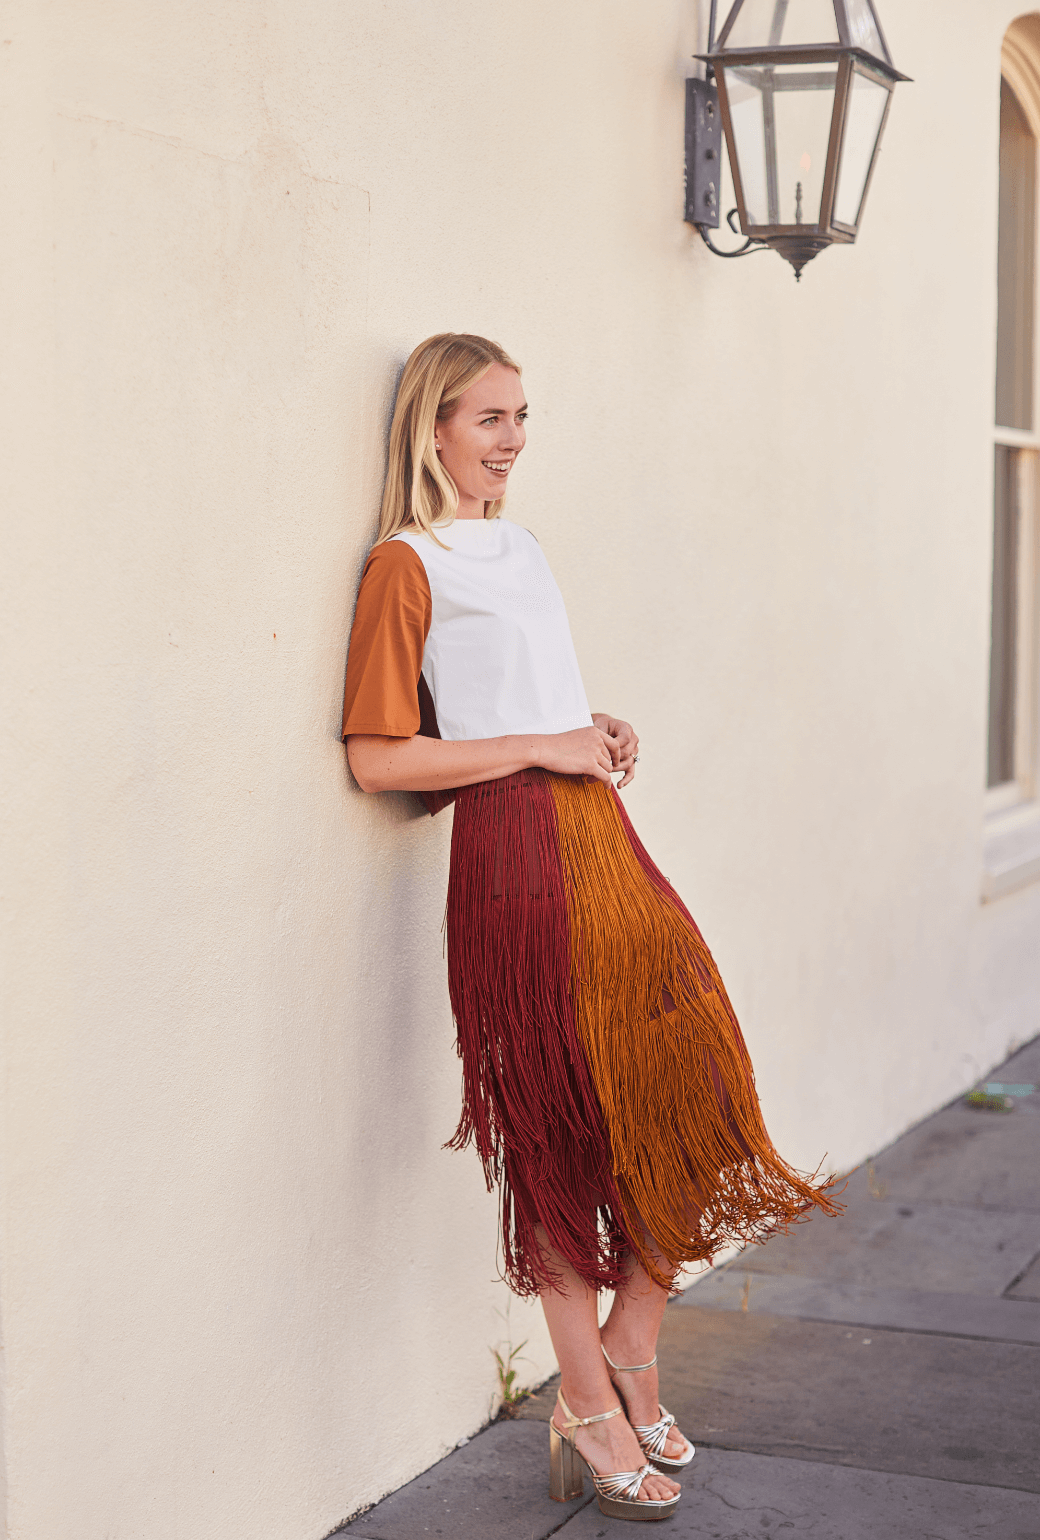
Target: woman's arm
pixel 431 764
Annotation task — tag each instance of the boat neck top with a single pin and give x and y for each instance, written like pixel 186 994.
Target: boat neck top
pixel 466 642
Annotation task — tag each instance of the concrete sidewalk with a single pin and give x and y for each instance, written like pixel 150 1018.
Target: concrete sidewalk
pixel 873 1377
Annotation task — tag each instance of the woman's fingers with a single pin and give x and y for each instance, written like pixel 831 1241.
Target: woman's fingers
pixel 601 764
pixel 613 748
pixel 628 765
pixel 620 749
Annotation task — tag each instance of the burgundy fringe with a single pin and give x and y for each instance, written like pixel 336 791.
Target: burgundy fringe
pixel 529 1103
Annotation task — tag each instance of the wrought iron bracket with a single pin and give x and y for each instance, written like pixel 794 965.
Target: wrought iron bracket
pixel 750 245
pixel 703 153
pixel 704 167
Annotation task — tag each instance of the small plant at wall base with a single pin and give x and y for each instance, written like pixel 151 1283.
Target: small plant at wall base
pixel 511 1393
pixel 877 1185
pixel 983 1102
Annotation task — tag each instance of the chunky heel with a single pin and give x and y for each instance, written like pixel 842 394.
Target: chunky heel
pixel 618 1493
pixel 566 1477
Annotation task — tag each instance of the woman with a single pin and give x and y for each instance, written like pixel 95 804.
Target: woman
pixel 605 1080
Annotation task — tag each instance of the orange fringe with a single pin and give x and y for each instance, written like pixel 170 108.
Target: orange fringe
pixel 694 1165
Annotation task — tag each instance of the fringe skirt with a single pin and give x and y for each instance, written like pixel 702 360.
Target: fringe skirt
pixel 606 1084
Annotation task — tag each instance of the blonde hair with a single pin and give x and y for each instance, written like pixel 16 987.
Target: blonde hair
pixel 419 493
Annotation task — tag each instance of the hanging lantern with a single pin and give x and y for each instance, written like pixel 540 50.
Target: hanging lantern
pixel 803 88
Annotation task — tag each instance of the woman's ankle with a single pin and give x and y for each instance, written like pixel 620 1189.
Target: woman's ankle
pixel 589 1400
pixel 628 1354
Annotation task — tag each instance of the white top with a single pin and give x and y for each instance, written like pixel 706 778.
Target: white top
pixel 499 656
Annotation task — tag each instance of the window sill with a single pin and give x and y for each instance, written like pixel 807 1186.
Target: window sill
pixel 1010 849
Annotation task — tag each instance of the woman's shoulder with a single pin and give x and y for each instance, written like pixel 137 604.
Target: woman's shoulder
pixel 406 538
pixel 397 553
pixel 516 534
pixel 393 563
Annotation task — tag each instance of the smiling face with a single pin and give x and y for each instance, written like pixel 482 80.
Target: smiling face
pixel 478 444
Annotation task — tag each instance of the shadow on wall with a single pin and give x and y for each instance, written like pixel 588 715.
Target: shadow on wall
pixel 419 1214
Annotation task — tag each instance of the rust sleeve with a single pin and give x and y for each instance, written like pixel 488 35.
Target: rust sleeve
pixel 391 624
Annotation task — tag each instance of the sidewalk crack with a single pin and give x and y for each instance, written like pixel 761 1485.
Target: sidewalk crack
pixel 564 1522
pixel 751 1507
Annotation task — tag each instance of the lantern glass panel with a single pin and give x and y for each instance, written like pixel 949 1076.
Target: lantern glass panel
pixel 865 111
pixel 863 28
pixel 781 116
pixel 783 23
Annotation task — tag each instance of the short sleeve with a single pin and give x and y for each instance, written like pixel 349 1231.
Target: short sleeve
pixel 387 640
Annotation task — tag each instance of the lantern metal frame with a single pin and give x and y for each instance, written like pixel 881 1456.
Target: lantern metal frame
pixel 707 101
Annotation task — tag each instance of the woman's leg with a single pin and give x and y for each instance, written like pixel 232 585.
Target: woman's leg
pixel 630 1337
pixel 570 1312
pixel 630 1330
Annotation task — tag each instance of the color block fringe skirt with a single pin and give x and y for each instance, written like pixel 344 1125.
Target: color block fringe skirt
pixel 606 1084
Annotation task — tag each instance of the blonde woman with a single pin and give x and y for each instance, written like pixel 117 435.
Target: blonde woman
pixel 605 1080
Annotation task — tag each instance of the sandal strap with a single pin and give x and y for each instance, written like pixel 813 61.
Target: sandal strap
pixel 653 1436
pixel 622 1483
pixel 627 1368
pixel 583 1422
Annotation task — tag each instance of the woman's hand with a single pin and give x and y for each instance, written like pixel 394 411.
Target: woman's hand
pixel 582 751
pixel 623 734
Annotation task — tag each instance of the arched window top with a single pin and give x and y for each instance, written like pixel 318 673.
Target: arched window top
pixel 1020 67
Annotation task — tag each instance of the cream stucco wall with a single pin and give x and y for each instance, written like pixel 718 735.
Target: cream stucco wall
pixel 235 1254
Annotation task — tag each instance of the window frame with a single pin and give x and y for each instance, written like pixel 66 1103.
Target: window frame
pixel 1011 810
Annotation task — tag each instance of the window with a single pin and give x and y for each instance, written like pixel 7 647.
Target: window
pixel 1016 246
pixel 1012 834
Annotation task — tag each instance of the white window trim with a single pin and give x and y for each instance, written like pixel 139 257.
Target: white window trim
pixel 1011 813
pixel 1011 828
pixel 1010 850
pixel 1016 438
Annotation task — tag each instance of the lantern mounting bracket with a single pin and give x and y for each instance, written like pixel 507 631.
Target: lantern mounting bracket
pixel 749 247
pixel 704 167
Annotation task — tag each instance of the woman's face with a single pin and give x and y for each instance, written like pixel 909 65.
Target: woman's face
pixel 479 443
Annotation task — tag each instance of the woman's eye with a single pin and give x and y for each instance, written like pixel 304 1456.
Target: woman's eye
pixel 487 420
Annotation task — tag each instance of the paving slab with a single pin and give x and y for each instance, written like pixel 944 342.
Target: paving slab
pixel 494 1488
pixel 748 1496
pixel 973 1158
pixel 949 1408
pixel 815 1299
pixel 885 1243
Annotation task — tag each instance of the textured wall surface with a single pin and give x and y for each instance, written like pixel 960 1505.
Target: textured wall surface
pixel 236 1256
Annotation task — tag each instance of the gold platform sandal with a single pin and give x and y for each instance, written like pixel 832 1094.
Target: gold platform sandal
pixel 618 1494
pixel 654 1435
